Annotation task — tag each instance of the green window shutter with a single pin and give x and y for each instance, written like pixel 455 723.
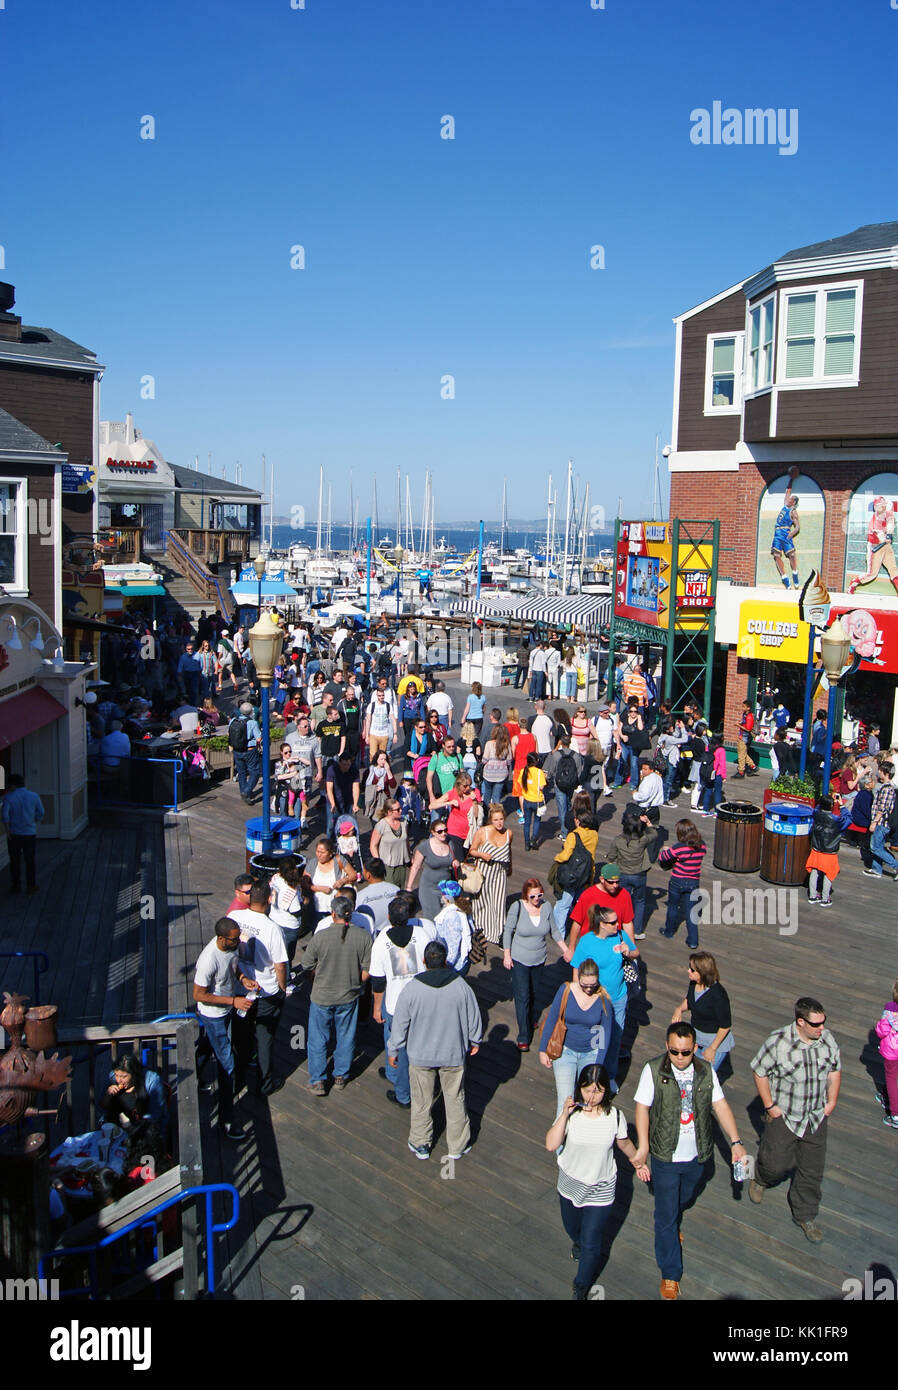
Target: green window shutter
pixel 838 357
pixel 840 311
pixel 800 311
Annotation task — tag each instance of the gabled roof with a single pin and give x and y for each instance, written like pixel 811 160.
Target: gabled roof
pixel 191 480
pixel 16 438
pixel 878 236
pixel 46 345
pixel 873 247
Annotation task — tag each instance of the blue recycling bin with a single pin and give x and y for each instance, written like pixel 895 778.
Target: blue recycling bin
pixel 285 836
pixel 786 842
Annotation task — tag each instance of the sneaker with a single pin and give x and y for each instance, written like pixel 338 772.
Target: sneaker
pixel 520 817
pixel 813 1232
pixel 639 936
pixel 814 900
pixel 421 1151
pixel 670 1289
pixel 340 1083
pixel 756 1191
pixel 609 791
pixel 464 1151
pixel 871 873
pixel 879 1098
pixel 826 902
pixel 318 1088
pixel 890 1121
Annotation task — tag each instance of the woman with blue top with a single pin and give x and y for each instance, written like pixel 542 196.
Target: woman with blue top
pixel 528 923
pixel 605 942
pixel 135 1093
pixel 589 1022
pixel 453 924
pixel 474 707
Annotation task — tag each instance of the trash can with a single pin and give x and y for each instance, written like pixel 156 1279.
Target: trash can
pixel 269 864
pixel 285 835
pixel 784 851
pixel 737 837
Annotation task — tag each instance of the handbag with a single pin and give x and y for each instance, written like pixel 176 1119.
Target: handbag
pixel 541 809
pixel 555 1045
pixel 632 977
pixel 471 879
pixel 477 953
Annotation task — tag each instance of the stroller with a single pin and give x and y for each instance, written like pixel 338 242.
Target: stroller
pixel 349 845
pixel 411 804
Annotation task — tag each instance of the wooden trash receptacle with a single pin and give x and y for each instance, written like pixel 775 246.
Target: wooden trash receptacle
pixel 40 1027
pixel 737 837
pixel 786 843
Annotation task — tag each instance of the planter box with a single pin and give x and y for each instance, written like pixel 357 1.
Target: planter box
pixel 789 798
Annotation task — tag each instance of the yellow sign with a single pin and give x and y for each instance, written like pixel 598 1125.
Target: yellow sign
pixel 772 632
pixel 694 596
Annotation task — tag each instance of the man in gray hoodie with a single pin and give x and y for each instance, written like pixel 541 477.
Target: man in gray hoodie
pixel 437 1020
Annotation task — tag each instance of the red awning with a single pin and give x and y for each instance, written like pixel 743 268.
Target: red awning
pixel 25 713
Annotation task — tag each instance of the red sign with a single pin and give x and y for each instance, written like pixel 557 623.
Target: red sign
pixel 874 637
pixel 695 589
pixel 141 466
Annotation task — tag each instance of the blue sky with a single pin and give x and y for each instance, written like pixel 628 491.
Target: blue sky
pixel 425 257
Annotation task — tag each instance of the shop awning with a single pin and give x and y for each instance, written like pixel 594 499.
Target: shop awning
pixel 23 714
pixel 247 591
pixel 588 611
pixel 126 590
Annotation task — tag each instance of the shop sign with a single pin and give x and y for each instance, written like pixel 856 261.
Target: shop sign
pixel 694 589
pixel 131 465
pixel 642 573
pixel 78 477
pixel 772 632
pixel 874 638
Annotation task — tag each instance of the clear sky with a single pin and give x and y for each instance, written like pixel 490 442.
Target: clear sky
pixel 424 257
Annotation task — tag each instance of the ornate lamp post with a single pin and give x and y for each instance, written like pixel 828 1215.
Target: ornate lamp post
pixel 259 567
pixel 398 556
pixel 835 648
pixel 266 640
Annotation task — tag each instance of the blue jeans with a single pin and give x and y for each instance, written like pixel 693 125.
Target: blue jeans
pixel 248 767
pixel 569 1065
pixel 398 1075
pixel 635 886
pixel 561 909
pixel 680 903
pixel 880 855
pixel 537 685
pixel 215 1037
pixel 627 766
pixel 531 822
pixel 491 791
pixel 713 795
pixel 620 1022
pixel 569 681
pixel 669 778
pixel 585 1227
pixel 343 1018
pixel 524 982
pixel 562 805
pixel 674 1185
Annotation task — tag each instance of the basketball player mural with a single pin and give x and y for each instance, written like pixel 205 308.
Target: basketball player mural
pixel 785 529
pixel 880 545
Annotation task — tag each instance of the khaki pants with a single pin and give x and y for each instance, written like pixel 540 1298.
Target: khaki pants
pixel 422 1081
pixel 742 755
pixel 377 743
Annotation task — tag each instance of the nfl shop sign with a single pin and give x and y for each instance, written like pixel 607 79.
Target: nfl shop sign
pixel 772 632
pixel 696 586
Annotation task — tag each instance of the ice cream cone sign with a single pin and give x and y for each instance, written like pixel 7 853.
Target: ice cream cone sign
pixel 815 603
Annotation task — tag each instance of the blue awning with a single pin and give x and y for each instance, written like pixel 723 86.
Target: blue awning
pixel 246 592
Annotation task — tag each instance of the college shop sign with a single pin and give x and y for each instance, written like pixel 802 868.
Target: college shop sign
pixel 772 632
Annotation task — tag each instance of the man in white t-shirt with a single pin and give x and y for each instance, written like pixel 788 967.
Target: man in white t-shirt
pixel 397 956
pixel 263 958
pixel 536 668
pixel 377 893
pixel 553 666
pixel 215 995
pixel 542 727
pixel 441 702
pixel 675 1098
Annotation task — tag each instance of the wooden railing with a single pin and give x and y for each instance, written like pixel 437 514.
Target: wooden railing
pixel 216 547
pixel 119 544
pixel 207 585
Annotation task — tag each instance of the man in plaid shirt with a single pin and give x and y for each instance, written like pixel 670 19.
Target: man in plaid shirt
pixel 798 1074
pixel 883 805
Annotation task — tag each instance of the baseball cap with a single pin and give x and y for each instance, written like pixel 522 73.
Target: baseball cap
pixel 610 871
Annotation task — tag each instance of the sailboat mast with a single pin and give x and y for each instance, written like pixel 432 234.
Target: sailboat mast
pixel 271 508
pixel 567 527
pixel 329 533
pixel 503 543
pixel 320 505
pixel 548 531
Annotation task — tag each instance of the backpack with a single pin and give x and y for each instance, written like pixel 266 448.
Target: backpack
pixel 412 704
pixel 575 873
pixel 566 778
pixel 706 769
pixel 237 736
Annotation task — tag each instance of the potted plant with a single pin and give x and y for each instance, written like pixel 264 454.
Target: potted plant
pixel 788 787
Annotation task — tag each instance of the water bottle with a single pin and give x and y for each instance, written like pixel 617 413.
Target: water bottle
pixel 743 1168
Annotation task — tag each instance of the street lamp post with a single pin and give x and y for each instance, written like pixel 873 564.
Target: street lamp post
pixel 835 648
pixel 259 567
pixel 398 556
pixel 266 640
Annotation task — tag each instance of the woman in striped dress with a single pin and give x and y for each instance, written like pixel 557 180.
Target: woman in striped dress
pixel 491 850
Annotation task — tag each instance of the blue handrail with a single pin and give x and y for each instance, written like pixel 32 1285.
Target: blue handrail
pixel 206 1190
pixel 38 969
pixel 143 762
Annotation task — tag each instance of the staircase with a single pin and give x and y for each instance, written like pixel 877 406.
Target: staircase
pixel 190 587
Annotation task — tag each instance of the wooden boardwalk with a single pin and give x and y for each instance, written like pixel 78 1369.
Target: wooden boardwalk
pixel 336 1207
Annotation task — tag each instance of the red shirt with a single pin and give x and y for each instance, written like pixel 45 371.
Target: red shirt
pixel 620 901
pixel 748 723
pixel 236 905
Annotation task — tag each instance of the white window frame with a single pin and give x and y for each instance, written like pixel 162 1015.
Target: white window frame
pixel 818 380
pixel 750 391
pixel 19 586
pixel 738 367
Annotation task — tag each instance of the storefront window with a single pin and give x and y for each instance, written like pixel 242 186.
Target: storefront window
pixel 776 549
pixel 870 564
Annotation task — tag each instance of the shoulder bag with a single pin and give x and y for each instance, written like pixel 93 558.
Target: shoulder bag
pixel 632 978
pixel 471 879
pixel 555 1045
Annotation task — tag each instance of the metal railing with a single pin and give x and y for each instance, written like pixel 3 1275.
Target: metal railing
pixel 147 1218
pixel 204 581
pixel 38 969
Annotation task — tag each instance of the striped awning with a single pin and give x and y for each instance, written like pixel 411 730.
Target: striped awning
pixel 587 611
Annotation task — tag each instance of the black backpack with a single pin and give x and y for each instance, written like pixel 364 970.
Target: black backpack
pixel 706 769
pixel 237 736
pixel 575 873
pixel 566 778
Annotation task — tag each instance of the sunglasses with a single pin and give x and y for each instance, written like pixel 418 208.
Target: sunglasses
pixel 819 1024
pixel 675 1052
pixel 439 832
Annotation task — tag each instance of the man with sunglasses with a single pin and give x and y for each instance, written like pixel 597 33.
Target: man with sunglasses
pixel 798 1072
pixel 215 995
pixel 675 1098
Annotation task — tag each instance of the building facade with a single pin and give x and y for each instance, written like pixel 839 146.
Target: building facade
pixel 796 367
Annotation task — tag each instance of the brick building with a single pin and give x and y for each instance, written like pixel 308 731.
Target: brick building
pixel 797 366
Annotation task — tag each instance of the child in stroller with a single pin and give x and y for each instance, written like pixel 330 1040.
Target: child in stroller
pixel 411 805
pixel 348 843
